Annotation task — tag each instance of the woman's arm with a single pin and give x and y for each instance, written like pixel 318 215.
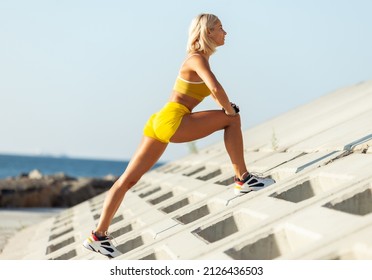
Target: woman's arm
pixel 202 68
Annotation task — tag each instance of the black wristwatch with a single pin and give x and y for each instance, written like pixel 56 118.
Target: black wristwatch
pixel 235 107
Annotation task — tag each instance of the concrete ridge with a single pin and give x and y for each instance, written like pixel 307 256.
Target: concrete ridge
pixel 320 208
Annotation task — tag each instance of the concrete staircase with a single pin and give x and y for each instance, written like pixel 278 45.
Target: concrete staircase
pixel 320 154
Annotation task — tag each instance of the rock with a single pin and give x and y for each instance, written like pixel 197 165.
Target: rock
pixel 57 190
pixel 60 176
pixel 35 174
pixel 110 177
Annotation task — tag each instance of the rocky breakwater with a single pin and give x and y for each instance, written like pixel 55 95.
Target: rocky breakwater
pixel 58 190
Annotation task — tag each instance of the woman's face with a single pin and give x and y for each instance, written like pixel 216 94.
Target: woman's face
pixel 218 34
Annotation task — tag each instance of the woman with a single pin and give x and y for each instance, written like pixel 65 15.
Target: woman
pixel 176 123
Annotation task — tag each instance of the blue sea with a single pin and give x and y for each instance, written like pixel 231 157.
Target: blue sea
pixel 14 165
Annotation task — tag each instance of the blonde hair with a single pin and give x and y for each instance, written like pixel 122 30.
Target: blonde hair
pixel 199 40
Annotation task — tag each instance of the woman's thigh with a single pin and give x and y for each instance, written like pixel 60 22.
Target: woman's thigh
pixel 201 124
pixel 146 155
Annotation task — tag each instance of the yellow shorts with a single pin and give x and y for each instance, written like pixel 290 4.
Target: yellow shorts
pixel 163 124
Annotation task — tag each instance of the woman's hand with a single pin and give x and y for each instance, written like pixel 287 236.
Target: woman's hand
pixel 233 110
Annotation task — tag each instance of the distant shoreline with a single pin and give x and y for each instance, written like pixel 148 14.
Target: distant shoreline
pixel 60 156
pixel 15 165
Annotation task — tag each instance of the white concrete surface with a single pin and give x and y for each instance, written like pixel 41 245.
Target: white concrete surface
pixel 320 208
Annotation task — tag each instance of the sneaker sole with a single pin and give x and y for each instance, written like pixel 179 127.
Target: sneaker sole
pixel 238 190
pixel 87 246
pixel 95 250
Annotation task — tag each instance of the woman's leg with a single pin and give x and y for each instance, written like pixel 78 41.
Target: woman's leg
pixel 198 125
pixel 147 154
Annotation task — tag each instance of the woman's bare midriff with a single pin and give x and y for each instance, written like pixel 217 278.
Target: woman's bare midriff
pixel 183 99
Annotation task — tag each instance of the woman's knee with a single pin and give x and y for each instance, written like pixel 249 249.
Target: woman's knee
pixel 124 183
pixel 234 120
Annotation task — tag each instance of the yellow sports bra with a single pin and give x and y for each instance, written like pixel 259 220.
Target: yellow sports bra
pixel 197 90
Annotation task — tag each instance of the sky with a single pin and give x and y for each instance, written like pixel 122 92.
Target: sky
pixel 80 78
